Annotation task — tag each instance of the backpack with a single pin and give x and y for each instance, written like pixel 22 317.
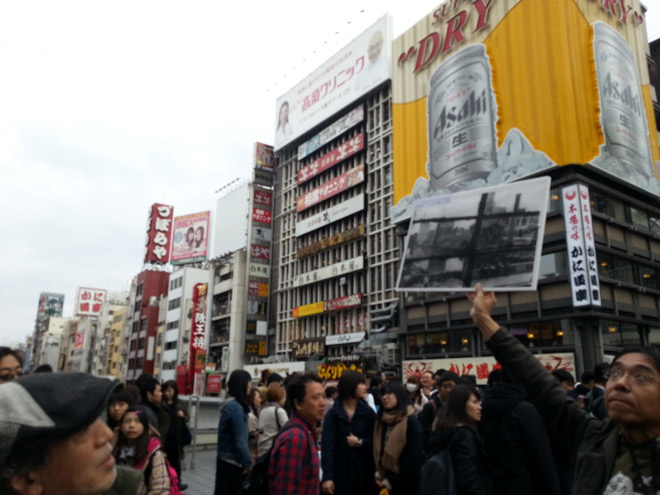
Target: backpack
pixel 171 472
pixel 257 481
pixel 438 475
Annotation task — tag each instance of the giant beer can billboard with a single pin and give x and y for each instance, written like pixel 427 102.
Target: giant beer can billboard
pixel 491 91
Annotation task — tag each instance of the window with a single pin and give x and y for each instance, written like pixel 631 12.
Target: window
pixel 553 264
pixel 440 342
pixel 619 334
pixel 639 218
pixel 170 345
pixel 553 333
pixel 172 325
pixel 174 303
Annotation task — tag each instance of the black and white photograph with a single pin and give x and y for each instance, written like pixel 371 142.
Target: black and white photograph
pixel 491 236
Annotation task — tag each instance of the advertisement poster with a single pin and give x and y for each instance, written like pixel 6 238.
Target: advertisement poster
pixel 355 70
pixel 331 158
pixel 470 80
pixel 191 238
pixel 492 236
pixel 331 188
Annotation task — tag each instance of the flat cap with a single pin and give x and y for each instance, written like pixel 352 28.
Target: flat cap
pixel 37 410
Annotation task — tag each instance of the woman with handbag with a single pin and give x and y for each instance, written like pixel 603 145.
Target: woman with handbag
pixel 178 434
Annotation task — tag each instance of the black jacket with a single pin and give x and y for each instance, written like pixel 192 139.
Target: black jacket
pixel 406 481
pixel 467 457
pixel 593 443
pixel 350 468
pixel 426 417
pixel 516 442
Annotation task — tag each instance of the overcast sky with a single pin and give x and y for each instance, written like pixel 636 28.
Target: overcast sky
pixel 106 108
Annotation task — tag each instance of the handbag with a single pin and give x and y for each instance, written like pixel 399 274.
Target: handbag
pixel 186 435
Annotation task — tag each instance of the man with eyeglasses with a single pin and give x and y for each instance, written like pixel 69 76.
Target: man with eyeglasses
pixel 620 455
pixel 11 364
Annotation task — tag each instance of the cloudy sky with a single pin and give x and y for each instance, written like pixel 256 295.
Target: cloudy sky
pixel 108 107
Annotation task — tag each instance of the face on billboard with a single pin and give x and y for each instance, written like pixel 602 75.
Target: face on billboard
pixel 190 238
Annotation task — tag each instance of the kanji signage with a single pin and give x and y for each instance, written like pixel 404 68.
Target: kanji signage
pixel 331 188
pixel 585 286
pixel 198 340
pixel 345 338
pixel 255 347
pixel 89 301
pixel 331 158
pixel 50 305
pixel 482 366
pixel 260 252
pixel 328 242
pixel 159 231
pixel 262 234
pixel 262 216
pixel 308 309
pixel 79 340
pixel 332 369
pixel 343 302
pixel 335 270
pixel 330 215
pixel 307 347
pixel 333 131
pixel 263 197
pixel 259 270
pixel 259 289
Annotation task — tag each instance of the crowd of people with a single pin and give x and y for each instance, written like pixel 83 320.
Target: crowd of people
pixel 528 431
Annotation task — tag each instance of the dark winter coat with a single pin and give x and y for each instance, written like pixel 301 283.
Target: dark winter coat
pixel 516 442
pixel 350 468
pixel 406 481
pixel 593 443
pixel 175 433
pixel 467 457
pixel 426 417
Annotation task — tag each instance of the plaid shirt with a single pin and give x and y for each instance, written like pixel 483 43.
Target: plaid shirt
pixel 294 461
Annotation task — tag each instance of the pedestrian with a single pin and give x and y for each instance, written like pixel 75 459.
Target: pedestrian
pixel 516 442
pixel 455 429
pixel 178 417
pixel 331 394
pixel 430 411
pixel 347 440
pixel 398 447
pixel 233 460
pixel 138 448
pixel 53 440
pixel 120 400
pixel 152 400
pixel 272 417
pixel 374 389
pixel 427 383
pixel 254 403
pixel 415 394
pixel 11 364
pixel 294 460
pixel 611 456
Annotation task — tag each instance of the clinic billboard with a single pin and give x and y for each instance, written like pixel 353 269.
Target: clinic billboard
pixel 355 70
pixel 487 92
pixel 191 235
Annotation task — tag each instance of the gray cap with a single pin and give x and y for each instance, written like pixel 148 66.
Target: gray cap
pixel 37 410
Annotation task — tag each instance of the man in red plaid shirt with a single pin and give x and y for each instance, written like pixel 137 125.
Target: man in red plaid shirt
pixel 294 460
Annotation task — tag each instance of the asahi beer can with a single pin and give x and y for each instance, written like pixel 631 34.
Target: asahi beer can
pixel 623 116
pixel 461 120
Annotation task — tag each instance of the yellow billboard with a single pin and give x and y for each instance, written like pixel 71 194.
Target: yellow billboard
pixel 491 91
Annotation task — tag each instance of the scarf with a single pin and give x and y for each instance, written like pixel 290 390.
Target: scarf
pixel 387 456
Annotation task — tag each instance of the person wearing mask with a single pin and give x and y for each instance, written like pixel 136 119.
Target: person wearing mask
pixel 178 417
pixel 11 365
pixel 417 398
pixel 398 447
pixel 272 417
pixel 294 460
pixel 347 440
pixel 516 442
pixel 233 460
pixel 455 429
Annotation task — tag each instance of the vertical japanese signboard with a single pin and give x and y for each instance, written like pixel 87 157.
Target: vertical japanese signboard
pixel 89 301
pixel 198 330
pixel 159 231
pixel 583 268
pixel 50 305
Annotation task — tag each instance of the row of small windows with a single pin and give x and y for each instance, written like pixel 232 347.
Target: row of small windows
pixel 171 325
pixel 176 283
pixel 174 303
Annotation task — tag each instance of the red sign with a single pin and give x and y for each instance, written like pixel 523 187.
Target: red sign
pixel 263 198
pixel 261 215
pixel 198 331
pixel 80 340
pixel 213 384
pixel 329 189
pixel 159 232
pixel 262 252
pixel 332 158
pixel 89 301
pixel 343 302
pixel 258 289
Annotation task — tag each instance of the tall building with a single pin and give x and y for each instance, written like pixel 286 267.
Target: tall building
pixel 335 252
pixel 49 339
pixel 50 305
pixel 175 341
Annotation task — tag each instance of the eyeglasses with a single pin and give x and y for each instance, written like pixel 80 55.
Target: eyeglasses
pixel 638 377
pixel 7 377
